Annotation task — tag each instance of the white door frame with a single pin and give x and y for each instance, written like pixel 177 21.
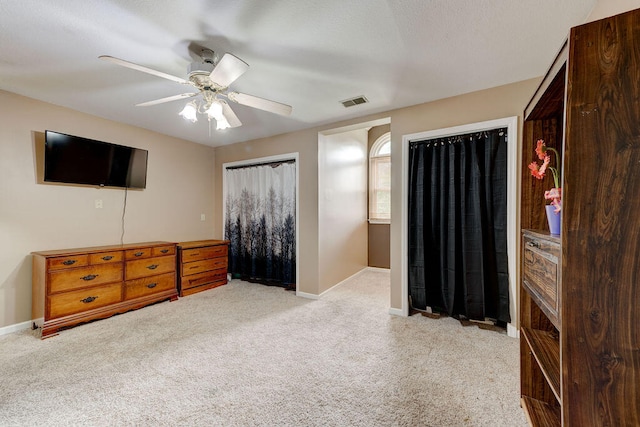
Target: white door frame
pixel 277 158
pixel 511 123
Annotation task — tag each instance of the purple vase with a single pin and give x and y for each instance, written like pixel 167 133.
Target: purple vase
pixel 553 218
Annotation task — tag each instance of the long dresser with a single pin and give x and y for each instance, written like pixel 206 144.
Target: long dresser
pixel 73 286
pixel 202 265
pixel 580 293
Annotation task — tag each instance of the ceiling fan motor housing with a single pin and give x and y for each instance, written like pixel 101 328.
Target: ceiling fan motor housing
pixel 196 68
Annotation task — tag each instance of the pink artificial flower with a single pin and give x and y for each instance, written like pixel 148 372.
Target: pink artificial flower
pixel 555 195
pixel 539 171
pixel 541 148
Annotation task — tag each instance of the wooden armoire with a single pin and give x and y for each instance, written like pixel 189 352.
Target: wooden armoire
pixel 580 290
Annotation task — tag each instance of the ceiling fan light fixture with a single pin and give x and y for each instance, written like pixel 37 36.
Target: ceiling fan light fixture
pixel 189 112
pixel 215 110
pixel 222 123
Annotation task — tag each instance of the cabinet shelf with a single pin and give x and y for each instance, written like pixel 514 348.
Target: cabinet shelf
pixel 540 414
pixel 546 350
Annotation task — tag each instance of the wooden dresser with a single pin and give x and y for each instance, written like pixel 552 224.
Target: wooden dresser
pixel 202 265
pixel 73 286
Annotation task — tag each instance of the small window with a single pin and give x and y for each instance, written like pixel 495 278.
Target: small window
pixel 380 180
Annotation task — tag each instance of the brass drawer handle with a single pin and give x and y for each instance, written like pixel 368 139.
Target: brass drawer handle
pixel 152 266
pixel 152 285
pixel 533 244
pixel 138 254
pixel 107 258
pixel 87 300
pixel 194 254
pixel 69 262
pixel 164 251
pixel 89 277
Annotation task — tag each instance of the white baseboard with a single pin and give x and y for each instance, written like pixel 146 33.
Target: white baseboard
pixel 314 296
pixel 356 274
pixel 512 331
pixel 307 295
pixel 15 328
pixel 379 269
pixel 396 312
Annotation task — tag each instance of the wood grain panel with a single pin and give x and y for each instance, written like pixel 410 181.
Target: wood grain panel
pixel 149 266
pixel 189 255
pixel 71 261
pixel 149 285
pixel 138 253
pixel 106 257
pixel 84 299
pixel 601 231
pixel 541 414
pixel 217 276
pixel 195 267
pixel 163 250
pixel 77 278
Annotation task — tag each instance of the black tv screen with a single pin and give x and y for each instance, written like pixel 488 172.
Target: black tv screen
pixel 75 160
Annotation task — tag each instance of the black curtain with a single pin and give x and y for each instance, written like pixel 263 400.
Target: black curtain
pixel 458 225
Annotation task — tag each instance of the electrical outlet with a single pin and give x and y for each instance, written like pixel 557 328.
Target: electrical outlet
pixel 98 203
pixel 203 217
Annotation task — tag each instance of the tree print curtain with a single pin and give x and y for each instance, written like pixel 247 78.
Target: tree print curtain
pixel 260 223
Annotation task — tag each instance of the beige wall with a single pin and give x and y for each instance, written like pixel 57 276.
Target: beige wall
pixel 495 103
pixel 606 8
pixel 305 143
pixel 379 234
pixel 499 102
pixel 342 206
pixel 39 217
pixel 45 216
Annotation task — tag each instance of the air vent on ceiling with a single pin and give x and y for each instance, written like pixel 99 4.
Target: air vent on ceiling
pixel 354 101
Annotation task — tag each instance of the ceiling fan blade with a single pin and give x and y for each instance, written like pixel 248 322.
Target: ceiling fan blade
pixel 260 103
pixel 137 67
pixel 231 117
pixel 167 99
pixel 228 69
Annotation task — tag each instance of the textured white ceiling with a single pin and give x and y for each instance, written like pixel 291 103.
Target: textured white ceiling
pixel 306 53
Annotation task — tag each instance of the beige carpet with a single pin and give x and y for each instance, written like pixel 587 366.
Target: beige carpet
pixel 250 355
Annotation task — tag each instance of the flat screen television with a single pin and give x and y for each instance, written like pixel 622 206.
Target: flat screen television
pixel 76 160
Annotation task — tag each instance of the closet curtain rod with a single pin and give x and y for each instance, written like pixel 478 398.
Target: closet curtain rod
pixel 272 164
pixel 456 138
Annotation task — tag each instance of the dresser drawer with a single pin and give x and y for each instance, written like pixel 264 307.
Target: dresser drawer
pixel 197 254
pixel 73 261
pixel 78 278
pixel 78 301
pixel 195 267
pixel 540 272
pixel 137 253
pixel 163 250
pixel 149 285
pixel 150 266
pixel 106 257
pixel 200 279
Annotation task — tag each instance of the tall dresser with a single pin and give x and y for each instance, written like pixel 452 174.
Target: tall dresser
pixel 202 265
pixel 72 286
pixel 580 292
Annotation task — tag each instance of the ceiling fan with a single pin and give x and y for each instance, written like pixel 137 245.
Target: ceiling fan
pixel 212 78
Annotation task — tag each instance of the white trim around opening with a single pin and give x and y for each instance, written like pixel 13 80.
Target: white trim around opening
pixel 511 123
pixel 269 159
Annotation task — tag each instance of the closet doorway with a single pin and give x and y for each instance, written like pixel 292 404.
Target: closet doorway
pixel 260 217
pixel 509 304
